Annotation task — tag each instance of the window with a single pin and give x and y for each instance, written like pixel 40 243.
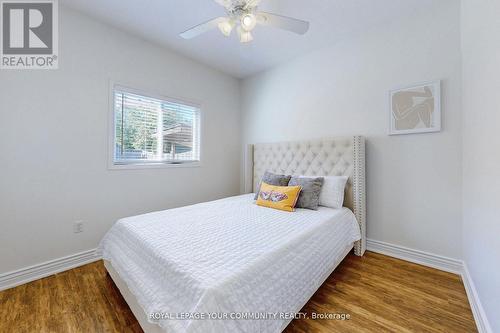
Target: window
pixel 154 131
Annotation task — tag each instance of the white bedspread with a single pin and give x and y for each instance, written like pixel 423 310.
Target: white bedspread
pixel 228 256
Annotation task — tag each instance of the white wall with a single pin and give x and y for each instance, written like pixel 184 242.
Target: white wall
pixel 481 154
pixel 53 142
pixel 414 182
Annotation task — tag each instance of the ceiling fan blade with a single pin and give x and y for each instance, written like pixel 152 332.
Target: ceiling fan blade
pixel 202 28
pixel 283 22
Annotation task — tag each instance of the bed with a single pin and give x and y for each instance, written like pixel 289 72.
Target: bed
pixel 230 265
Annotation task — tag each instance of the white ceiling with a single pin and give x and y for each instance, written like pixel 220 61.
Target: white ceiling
pixel 161 21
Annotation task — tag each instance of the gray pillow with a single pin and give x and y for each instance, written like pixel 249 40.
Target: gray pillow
pixel 272 179
pixel 311 189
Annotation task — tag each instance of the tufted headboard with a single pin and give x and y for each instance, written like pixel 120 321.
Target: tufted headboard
pixel 326 157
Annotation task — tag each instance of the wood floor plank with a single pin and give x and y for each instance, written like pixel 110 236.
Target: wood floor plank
pixel 379 293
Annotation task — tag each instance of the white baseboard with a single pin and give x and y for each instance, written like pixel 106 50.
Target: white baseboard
pixel 416 256
pixel 482 323
pixel 35 272
pixel 442 263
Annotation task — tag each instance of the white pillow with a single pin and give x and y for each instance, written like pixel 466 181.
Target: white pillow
pixel 332 192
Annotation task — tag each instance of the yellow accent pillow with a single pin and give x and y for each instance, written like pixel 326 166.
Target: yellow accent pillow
pixel 278 197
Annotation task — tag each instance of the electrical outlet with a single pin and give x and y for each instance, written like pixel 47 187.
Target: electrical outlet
pixel 77 227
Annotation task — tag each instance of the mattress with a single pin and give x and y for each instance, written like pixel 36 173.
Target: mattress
pixel 227 265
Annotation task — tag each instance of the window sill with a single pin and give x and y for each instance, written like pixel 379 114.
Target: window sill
pixel 142 166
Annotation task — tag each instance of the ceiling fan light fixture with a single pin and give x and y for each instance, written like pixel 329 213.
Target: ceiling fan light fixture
pixel 244 15
pixel 226 27
pixel 248 22
pixel 245 36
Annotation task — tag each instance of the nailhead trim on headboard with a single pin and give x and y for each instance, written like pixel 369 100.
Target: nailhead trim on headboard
pixel 359 192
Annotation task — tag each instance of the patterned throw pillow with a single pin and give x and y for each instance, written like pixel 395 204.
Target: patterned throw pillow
pixel 272 179
pixel 311 190
pixel 278 197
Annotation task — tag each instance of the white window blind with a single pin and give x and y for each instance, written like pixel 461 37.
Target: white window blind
pixel 153 130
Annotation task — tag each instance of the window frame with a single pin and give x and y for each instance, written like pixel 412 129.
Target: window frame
pixel 112 165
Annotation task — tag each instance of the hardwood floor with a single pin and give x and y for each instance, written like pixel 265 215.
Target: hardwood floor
pixel 384 294
pixel 381 294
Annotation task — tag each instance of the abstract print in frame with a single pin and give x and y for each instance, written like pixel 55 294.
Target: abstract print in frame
pixel 416 109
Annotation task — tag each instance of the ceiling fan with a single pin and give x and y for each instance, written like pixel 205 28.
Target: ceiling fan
pixel 243 15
